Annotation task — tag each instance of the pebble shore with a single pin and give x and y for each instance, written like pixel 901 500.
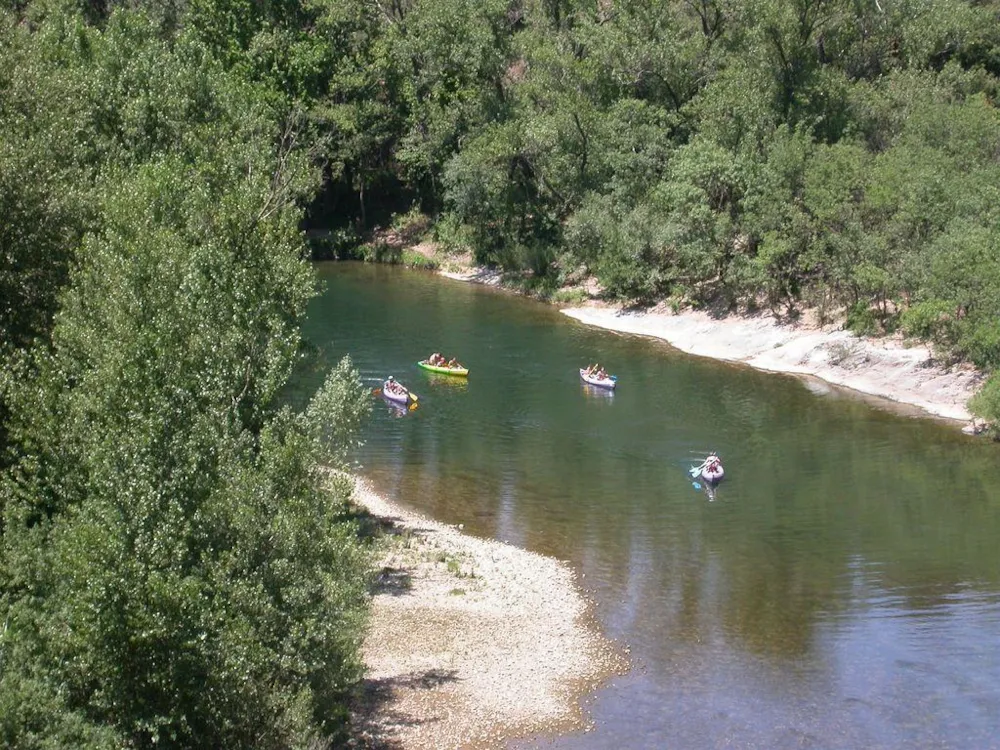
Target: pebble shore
pixel 473 641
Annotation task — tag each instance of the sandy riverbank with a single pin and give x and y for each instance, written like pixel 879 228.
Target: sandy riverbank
pixel 903 377
pixel 472 641
pixel 885 368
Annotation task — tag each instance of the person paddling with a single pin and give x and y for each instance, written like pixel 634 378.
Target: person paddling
pixel 394 386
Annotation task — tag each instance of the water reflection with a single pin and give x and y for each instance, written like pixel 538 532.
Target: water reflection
pixel 437 380
pixel 596 392
pixel 395 408
pixel 839 591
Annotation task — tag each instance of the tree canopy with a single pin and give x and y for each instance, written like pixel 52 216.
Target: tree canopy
pixel 779 153
pixel 175 569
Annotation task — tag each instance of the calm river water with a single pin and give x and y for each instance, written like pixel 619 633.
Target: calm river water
pixel 841 591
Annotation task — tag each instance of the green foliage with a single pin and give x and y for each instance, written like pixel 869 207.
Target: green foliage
pixel 43 204
pixel 334 244
pixel 215 610
pixel 171 569
pixel 569 296
pixel 454 53
pixel 491 188
pixel 737 107
pixel 452 235
pixel 629 254
pixel 413 259
pixel 979 341
pixel 186 542
pixel 174 568
pixel 757 152
pixel 986 403
pixel 862 319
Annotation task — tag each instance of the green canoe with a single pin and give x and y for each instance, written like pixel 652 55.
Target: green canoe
pixel 459 371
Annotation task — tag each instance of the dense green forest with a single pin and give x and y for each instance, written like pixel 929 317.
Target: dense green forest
pixel 837 154
pixel 174 568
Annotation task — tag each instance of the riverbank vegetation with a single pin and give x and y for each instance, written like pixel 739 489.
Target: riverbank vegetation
pixel 173 570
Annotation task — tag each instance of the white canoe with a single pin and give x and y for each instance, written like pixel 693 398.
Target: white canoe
pixel 400 397
pixel 713 472
pixel 608 382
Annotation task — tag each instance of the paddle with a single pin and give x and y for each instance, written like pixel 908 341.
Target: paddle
pixel 696 470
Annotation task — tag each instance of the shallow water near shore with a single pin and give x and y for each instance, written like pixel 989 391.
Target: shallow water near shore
pixel 841 589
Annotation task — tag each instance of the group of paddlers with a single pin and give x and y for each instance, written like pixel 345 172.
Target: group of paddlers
pixel 596 371
pixel 395 387
pixel 438 360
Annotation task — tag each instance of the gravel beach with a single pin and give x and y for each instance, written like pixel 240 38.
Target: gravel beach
pixel 473 641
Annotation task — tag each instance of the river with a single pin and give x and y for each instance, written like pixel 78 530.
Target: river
pixel 840 589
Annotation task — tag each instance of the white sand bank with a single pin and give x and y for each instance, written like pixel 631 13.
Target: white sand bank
pixel 885 368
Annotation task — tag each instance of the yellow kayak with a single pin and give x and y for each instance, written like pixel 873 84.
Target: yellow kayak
pixel 459 371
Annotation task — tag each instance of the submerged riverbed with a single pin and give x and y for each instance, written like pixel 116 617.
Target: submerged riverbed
pixel 841 589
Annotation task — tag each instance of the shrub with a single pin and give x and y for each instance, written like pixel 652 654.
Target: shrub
pixel 335 244
pixel 929 320
pixel 986 403
pixel 452 235
pixel 980 342
pixel 862 319
pixel 573 296
pixel 414 259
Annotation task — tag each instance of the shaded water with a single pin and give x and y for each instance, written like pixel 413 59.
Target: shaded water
pixel 841 591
